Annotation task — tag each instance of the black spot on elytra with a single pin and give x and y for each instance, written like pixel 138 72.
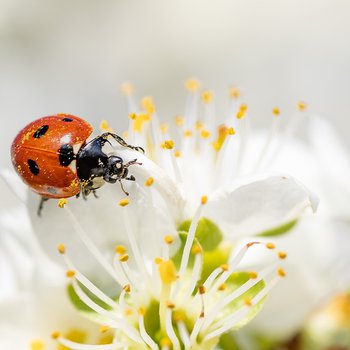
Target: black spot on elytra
pixel 41 131
pixel 33 167
pixel 66 154
pixel 68 120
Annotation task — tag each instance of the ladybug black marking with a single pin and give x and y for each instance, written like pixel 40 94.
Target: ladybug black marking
pixel 67 120
pixel 33 166
pixel 66 154
pixel 41 131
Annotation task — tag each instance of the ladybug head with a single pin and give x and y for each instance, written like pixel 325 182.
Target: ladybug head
pixel 115 169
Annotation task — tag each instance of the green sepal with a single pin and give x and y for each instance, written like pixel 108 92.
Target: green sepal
pixel 176 258
pixel 208 233
pixel 215 258
pixel 280 230
pixel 83 308
pixel 151 319
pixel 236 280
pixel 228 342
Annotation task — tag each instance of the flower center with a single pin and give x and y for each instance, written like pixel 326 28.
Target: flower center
pixel 183 300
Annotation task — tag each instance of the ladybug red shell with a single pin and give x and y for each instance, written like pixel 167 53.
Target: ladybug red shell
pixel 53 157
pixel 39 156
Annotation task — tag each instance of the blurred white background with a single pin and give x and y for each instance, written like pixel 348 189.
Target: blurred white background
pixel 72 55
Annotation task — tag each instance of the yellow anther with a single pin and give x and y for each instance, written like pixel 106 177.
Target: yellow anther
pixel 55 335
pixel 138 120
pixel 234 92
pixel 240 114
pixel 192 84
pixel 125 135
pixel 281 272
pixel 149 182
pixel 282 255
pixel 170 305
pixel 70 273
pixel 168 144
pixel 243 107
pixel 270 245
pixel 205 134
pixel 231 131
pixel 61 248
pixel 148 105
pixel 127 88
pixel 276 111
pixel 199 125
pixel 224 267
pixel 124 202
pixel 242 111
pixel 248 302
pixel 142 311
pixel 222 287
pixel 164 128
pixel 132 116
pixel 120 249
pixel 167 271
pixel 124 258
pixel 179 120
pixel 62 202
pixel 302 106
pixel 104 328
pixel 204 200
pixel 253 275
pixel 222 134
pixel 196 249
pixel 158 260
pixel 165 343
pixel 188 133
pixel 37 345
pixel 104 126
pixel 168 239
pixel 177 153
pixel 201 289
pixel 207 96
pixel 127 288
pixel 128 311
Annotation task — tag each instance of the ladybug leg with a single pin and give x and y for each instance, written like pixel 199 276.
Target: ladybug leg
pixel 121 141
pixel 41 204
pixel 94 193
pixel 85 192
pixel 130 178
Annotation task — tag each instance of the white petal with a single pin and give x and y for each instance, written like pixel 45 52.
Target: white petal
pixel 334 166
pixel 14 183
pixel 259 206
pixel 36 314
pixel 316 267
pixel 102 218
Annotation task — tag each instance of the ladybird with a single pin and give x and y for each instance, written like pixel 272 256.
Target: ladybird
pixel 54 158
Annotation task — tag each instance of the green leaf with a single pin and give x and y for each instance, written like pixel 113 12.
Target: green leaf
pixel 208 233
pixel 280 230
